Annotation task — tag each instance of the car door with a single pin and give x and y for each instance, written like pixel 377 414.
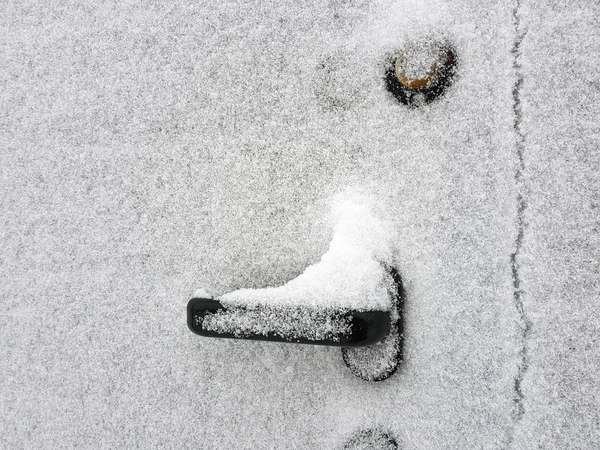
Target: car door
pixel 305 114
pixel 150 149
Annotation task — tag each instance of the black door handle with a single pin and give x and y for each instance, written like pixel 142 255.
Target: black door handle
pixel 294 324
pixel 371 340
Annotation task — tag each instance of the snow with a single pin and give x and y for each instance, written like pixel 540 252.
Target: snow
pixel 352 274
pixel 287 322
pixel 418 60
pixel 148 148
pixel 202 293
pixel 560 264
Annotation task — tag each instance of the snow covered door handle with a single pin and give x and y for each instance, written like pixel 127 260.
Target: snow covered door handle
pixel 351 298
pixel 371 341
pixel 295 324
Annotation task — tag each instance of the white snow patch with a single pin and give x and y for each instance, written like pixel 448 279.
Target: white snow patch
pixel 402 22
pixel 288 322
pixel 351 274
pixel 202 293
